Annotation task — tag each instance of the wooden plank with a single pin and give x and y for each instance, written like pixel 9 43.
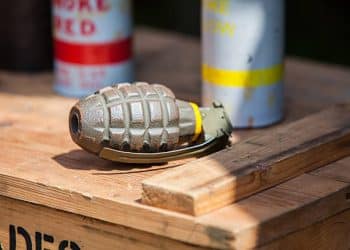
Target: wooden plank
pixel 252 165
pixel 339 170
pixel 264 217
pixel 332 233
pixel 284 209
pixel 52 229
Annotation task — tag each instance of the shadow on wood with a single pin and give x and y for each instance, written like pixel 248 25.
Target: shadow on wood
pixel 82 160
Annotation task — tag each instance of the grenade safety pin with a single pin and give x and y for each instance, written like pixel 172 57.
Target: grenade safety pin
pixel 143 123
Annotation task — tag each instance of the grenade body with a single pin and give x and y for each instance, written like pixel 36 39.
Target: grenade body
pixel 135 118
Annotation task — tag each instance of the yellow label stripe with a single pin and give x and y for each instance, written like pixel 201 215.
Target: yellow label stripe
pixel 242 78
pixel 198 120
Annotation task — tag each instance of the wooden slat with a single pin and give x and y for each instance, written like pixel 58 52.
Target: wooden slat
pixel 61 227
pixel 339 170
pixel 252 165
pixel 284 209
pixel 261 218
pixel 332 233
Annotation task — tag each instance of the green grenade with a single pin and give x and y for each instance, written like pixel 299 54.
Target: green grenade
pixel 143 123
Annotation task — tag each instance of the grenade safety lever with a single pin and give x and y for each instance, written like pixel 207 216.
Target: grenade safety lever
pixel 143 123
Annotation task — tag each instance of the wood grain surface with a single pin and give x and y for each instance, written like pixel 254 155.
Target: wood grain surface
pixel 332 233
pixel 253 164
pixel 40 164
pixel 63 228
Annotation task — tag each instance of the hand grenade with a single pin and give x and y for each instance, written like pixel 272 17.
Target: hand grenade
pixel 143 123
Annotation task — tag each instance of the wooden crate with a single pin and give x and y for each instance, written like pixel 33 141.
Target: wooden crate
pixel 55 196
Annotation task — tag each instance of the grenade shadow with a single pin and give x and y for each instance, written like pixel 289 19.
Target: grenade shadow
pixel 80 160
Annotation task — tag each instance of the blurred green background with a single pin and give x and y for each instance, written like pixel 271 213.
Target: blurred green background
pixel 319 30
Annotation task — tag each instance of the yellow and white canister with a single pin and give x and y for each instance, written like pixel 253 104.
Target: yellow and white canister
pixel 243 51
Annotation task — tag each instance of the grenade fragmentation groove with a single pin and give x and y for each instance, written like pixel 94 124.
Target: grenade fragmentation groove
pixel 143 123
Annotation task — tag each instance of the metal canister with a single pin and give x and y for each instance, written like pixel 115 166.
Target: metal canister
pixel 93 45
pixel 243 50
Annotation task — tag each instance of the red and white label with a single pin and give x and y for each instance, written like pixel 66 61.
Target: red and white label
pixel 93 46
